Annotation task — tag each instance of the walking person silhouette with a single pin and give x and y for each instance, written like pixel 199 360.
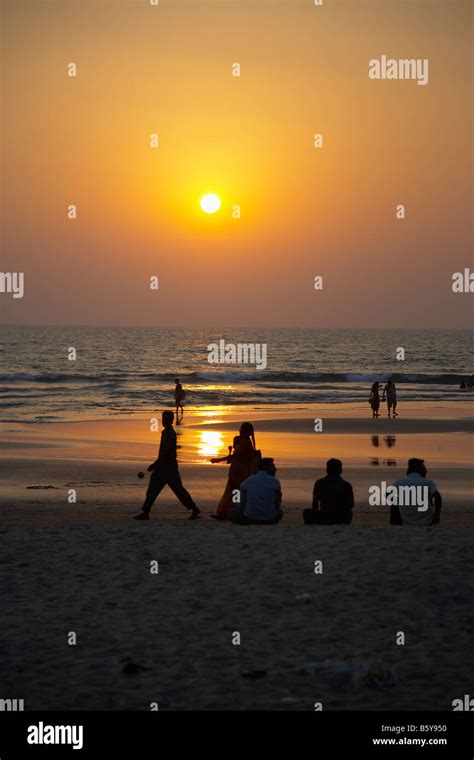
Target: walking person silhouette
pixel 164 471
pixel 390 393
pixel 374 400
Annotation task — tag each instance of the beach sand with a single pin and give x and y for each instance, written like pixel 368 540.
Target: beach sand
pixel 167 637
pixel 100 460
pixel 305 637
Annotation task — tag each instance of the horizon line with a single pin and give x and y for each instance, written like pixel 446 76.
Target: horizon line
pixel 233 327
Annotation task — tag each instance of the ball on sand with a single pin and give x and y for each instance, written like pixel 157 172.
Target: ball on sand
pixel 140 475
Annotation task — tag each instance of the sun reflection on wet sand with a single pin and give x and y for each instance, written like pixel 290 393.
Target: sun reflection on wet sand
pixel 210 443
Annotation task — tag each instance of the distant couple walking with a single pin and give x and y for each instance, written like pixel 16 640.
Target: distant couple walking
pixel 389 393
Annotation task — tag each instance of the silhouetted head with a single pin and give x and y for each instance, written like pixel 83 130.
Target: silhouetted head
pixel 246 429
pixel 417 465
pixel 236 441
pixel 167 419
pixel 176 381
pixel 334 467
pixel 375 387
pixel 389 382
pixel 268 465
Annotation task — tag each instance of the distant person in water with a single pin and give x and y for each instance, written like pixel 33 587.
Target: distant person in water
pixel 374 400
pixel 333 498
pixel 260 497
pixel 164 471
pixel 411 514
pixel 390 393
pixel 179 396
pixel 242 464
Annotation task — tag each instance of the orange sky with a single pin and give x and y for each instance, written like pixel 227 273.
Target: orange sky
pixel 304 211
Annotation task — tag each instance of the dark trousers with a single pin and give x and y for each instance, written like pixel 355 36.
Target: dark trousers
pixel 395 518
pixel 161 478
pixel 312 517
pixel 239 519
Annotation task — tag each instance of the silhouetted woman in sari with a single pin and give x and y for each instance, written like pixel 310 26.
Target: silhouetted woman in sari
pixel 242 465
pixel 374 400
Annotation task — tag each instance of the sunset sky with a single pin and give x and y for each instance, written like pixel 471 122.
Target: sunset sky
pixel 304 211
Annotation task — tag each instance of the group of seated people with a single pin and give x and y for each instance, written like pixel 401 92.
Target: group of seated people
pixel 333 498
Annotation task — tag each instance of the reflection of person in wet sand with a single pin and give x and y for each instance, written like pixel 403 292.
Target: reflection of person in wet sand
pixel 242 465
pixel 390 392
pixel 179 395
pixel 374 400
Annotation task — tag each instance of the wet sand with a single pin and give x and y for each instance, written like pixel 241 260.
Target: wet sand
pixel 100 459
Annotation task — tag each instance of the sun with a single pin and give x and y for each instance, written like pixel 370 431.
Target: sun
pixel 210 203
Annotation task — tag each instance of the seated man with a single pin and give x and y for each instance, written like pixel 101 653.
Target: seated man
pixel 260 497
pixel 412 514
pixel 333 498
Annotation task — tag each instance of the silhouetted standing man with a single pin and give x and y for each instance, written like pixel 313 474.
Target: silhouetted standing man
pixel 179 395
pixel 164 471
pixel 390 392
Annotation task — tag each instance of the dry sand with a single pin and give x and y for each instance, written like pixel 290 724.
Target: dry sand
pixel 305 637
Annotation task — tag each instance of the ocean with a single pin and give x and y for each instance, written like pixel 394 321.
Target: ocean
pixel 132 370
